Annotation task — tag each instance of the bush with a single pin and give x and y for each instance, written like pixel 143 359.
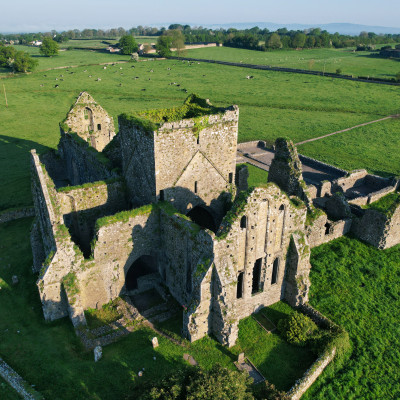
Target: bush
pixel 297 328
pixel 219 383
pixel 338 71
pixel 268 391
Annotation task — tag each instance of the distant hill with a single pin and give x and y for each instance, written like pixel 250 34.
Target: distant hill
pixel 342 28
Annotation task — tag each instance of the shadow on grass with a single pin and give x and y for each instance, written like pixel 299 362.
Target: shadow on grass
pixel 15 184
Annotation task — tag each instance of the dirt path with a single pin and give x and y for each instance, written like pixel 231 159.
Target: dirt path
pixel 348 129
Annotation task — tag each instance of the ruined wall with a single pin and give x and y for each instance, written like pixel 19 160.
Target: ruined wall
pixel 378 229
pixel 195 161
pixel 251 247
pixel 91 122
pixel 82 163
pixel 138 165
pixel 355 178
pixel 58 248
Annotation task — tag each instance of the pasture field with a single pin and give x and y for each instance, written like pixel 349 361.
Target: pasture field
pixel 358 287
pixel 360 63
pixel 88 43
pixel 69 58
pixel 50 356
pixel 374 147
pixel 271 105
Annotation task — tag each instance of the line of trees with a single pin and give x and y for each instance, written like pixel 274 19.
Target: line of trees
pixel 254 38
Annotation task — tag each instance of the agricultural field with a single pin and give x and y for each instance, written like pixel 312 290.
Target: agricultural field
pixel 50 356
pixel 69 58
pixel 271 105
pixel 358 287
pixel 373 147
pixel 360 63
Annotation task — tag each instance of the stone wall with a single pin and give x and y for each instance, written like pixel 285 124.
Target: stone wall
pixel 255 243
pixel 91 122
pixel 138 164
pixel 17 213
pixel 82 163
pixel 378 229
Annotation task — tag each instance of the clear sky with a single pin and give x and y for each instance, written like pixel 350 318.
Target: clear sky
pixel 44 15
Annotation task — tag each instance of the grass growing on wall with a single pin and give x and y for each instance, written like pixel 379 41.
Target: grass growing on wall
pixel 357 286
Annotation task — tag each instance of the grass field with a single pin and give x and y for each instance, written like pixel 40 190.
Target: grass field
pixel 360 63
pixel 271 105
pixel 257 175
pixel 374 147
pixel 88 43
pixel 358 287
pixel 50 356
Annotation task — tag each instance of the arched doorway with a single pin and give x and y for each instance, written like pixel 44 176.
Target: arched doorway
pixel 202 217
pixel 88 113
pixel 144 265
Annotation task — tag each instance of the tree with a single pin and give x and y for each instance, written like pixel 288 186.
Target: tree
pixel 178 40
pixel 299 40
pixel 18 61
pixel 274 41
pixel 163 45
pixel 128 44
pixel 23 62
pixel 196 384
pixel 49 47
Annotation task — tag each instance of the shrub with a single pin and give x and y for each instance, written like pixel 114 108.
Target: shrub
pixel 338 71
pixel 297 328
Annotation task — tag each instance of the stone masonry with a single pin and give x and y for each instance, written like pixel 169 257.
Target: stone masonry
pixel 174 217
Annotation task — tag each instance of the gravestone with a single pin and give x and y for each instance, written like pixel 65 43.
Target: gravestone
pixel 15 279
pixel 98 353
pixel 241 358
pixel 154 342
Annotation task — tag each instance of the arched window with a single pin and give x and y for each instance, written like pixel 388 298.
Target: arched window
pixel 239 288
pixel 243 222
pixel 275 270
pixel 256 276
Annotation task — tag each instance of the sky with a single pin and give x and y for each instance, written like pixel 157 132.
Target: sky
pixel 44 15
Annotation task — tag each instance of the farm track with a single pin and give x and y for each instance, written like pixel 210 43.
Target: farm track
pixel 290 70
pixel 348 129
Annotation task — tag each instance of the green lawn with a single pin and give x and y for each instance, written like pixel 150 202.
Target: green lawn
pixel 271 105
pixel 374 147
pixel 357 63
pixel 358 287
pixel 50 356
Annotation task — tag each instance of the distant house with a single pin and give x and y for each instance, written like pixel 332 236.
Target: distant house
pixel 113 49
pixel 36 43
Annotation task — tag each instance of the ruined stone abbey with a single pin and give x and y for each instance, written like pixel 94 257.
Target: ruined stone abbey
pixel 163 205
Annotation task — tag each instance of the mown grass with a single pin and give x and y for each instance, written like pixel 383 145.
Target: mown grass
pixel 50 356
pixel 373 147
pixel 386 204
pixel 271 105
pixel 99 317
pixel 360 63
pixel 357 286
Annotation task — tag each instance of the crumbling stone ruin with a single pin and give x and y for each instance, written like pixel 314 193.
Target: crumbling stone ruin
pixel 156 206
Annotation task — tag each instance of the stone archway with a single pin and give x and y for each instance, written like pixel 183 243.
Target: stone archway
pixel 203 217
pixel 144 265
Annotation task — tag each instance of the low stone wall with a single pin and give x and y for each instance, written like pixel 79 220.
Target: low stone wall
pixel 316 369
pixel 16 213
pixel 17 383
pixel 311 375
pixel 312 162
pixel 380 193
